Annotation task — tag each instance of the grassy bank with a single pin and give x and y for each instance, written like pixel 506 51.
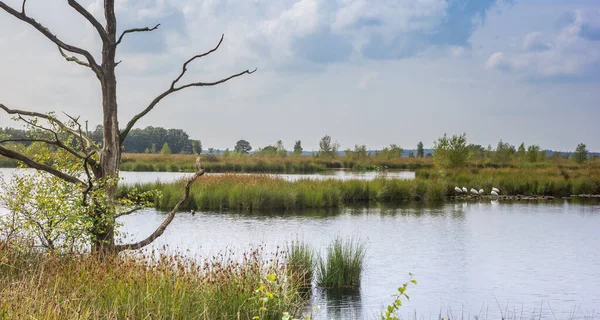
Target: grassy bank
pixel 553 181
pixel 42 286
pixel 261 192
pixel 258 164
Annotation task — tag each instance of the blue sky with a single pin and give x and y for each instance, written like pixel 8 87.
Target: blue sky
pixel 363 72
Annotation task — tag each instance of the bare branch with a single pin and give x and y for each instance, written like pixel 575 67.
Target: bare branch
pixel 73 58
pixel 124 213
pixel 52 37
pixel 89 142
pixel 146 29
pixel 90 185
pixel 184 67
pixel 159 231
pixel 39 166
pixel 89 17
pixel 173 88
pixel 51 142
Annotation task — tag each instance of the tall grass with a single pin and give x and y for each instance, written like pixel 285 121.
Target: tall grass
pixel 262 192
pixel 41 286
pixel 552 181
pixel 342 265
pixel 301 262
pixel 261 164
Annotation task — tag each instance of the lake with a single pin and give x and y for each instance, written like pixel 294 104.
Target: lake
pixel 484 258
pixel 528 256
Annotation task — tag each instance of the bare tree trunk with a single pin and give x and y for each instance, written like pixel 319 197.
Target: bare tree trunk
pixel 106 168
pixel 110 155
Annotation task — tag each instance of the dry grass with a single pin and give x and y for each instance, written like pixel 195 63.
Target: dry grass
pixel 40 286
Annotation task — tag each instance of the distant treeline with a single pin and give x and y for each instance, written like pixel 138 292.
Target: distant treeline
pixel 158 140
pixel 147 140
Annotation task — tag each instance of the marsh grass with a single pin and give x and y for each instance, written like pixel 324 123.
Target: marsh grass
pixel 301 262
pixel 342 265
pixel 260 164
pixel 156 286
pixel 263 192
pixel 257 192
pixel 553 181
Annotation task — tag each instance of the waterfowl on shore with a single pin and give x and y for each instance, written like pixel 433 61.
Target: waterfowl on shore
pixel 481 191
pixel 457 189
pixel 475 192
pixel 465 190
pixel 495 189
pixel 494 193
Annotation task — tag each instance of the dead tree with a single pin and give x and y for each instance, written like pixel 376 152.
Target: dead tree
pixel 100 163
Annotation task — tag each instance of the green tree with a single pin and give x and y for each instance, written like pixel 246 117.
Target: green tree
pixel 359 152
pixel 504 152
pixel 451 152
pixel 281 152
pixel 197 146
pixel 420 150
pixel 165 149
pixel 395 151
pixel 153 148
pixel 581 153
pixel 327 148
pixel 411 154
pixel 51 212
pixel 477 152
pixel 268 151
pixel 298 148
pixel 242 147
pixel 533 153
pixel 521 151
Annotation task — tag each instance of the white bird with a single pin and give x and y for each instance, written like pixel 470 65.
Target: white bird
pixel 481 191
pixel 457 189
pixel 465 190
pixel 473 191
pixel 494 193
pixel 495 189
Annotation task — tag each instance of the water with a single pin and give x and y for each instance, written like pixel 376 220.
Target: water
pixel 464 255
pixel 148 177
pixel 475 258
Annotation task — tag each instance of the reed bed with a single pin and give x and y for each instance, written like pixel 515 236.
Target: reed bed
pixel 41 286
pixel 264 192
pixel 301 262
pixel 552 181
pixel 261 164
pixel 342 265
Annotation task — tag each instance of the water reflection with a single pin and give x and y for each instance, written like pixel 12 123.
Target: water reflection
pixel 465 255
pixel 344 303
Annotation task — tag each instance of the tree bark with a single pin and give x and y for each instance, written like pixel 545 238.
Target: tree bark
pixel 110 155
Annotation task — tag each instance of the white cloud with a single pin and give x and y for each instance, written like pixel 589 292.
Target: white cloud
pixel 536 41
pixel 564 54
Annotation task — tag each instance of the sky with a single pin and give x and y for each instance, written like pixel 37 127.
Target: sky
pixel 363 72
